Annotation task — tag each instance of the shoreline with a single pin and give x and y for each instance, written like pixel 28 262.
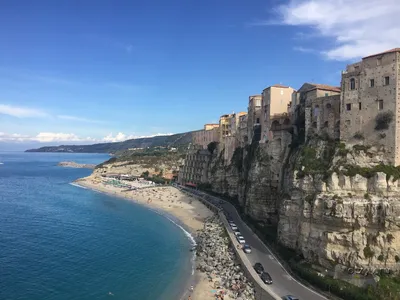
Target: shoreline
pixel 188 213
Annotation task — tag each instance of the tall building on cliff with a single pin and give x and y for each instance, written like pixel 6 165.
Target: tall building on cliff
pixel 275 102
pixel 209 134
pixel 370 102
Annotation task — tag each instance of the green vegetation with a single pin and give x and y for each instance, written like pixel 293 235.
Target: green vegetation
pixel 383 120
pixel 175 140
pixel 390 171
pixel 368 253
pixel 237 159
pixel 212 146
pixel 358 135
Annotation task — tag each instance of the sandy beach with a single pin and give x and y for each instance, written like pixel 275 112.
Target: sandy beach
pixel 186 209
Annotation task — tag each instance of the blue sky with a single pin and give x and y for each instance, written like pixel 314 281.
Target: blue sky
pixel 94 70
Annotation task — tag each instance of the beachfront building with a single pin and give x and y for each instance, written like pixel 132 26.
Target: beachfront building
pixel 194 170
pixel 275 101
pixel 210 133
pixel 370 103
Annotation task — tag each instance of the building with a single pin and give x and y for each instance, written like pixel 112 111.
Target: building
pixel 321 105
pixel 370 102
pixel 225 126
pixel 243 138
pixel 253 116
pixel 230 133
pixel 275 101
pixel 194 170
pixel 209 134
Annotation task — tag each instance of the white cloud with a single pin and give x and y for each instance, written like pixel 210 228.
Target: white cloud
pixel 21 112
pixel 119 137
pixel 78 119
pixel 357 28
pixel 51 137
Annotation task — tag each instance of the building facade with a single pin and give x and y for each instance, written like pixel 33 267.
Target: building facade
pixel 370 102
pixel 275 101
pixel 253 116
pixel 194 169
pixel 209 134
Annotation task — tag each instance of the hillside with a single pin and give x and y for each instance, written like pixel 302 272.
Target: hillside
pixel 175 140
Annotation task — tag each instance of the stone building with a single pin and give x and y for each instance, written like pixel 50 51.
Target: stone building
pixel 242 130
pixel 209 134
pixel 275 101
pixel 253 116
pixel 370 102
pixel 230 133
pixel 195 166
pixel 225 126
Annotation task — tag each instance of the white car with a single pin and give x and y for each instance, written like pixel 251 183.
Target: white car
pixel 240 239
pixel 237 233
pixel 234 227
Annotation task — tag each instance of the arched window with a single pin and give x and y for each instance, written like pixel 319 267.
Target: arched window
pixel 328 106
pixel 314 124
pixel 316 110
pixel 275 125
pixel 326 124
pixel 352 84
pixel 286 122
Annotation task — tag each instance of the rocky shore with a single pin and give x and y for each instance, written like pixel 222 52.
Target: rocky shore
pixel 216 258
pixel 71 164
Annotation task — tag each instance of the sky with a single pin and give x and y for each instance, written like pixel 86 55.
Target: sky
pixel 81 72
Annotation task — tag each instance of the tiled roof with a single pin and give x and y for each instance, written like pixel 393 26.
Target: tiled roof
pixel 385 52
pixel 281 86
pixel 324 87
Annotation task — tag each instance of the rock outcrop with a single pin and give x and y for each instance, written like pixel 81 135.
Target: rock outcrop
pixel 216 258
pixel 71 164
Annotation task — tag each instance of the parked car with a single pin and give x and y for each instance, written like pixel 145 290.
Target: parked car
pixel 246 248
pixel 234 227
pixel 237 233
pixel 266 278
pixel 240 239
pixel 290 297
pixel 258 267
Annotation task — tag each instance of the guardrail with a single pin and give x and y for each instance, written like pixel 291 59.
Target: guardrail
pixel 262 291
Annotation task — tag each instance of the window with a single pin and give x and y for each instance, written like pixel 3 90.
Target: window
pixel 371 83
pixel 348 106
pixel 352 84
pixel 359 105
pixel 387 80
pixel 379 61
pixel 326 94
pixel 380 104
pixel 347 122
pixel 258 121
pixel 328 106
pixel 326 124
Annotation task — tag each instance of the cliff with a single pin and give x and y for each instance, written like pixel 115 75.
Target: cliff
pixel 340 205
pixel 174 140
pixel 335 204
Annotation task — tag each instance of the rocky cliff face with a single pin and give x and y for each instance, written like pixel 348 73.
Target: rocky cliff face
pixel 341 205
pixel 252 176
pixel 334 203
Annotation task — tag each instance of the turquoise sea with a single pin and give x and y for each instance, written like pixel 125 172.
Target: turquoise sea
pixel 59 241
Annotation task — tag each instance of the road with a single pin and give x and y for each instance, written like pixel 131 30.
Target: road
pixel 283 282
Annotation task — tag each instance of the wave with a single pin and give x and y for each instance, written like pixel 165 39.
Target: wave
pixel 77 185
pixel 1 163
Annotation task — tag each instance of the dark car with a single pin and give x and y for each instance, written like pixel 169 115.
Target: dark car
pixel 290 297
pixel 258 268
pixel 266 278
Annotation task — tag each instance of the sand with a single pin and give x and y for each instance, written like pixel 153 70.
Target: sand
pixel 187 210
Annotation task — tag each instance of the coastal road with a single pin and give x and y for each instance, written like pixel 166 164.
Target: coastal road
pixel 283 282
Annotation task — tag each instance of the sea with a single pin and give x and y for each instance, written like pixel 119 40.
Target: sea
pixel 59 241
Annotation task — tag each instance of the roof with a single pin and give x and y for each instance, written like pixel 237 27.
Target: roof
pixel 385 52
pixel 281 86
pixel 242 113
pixel 325 87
